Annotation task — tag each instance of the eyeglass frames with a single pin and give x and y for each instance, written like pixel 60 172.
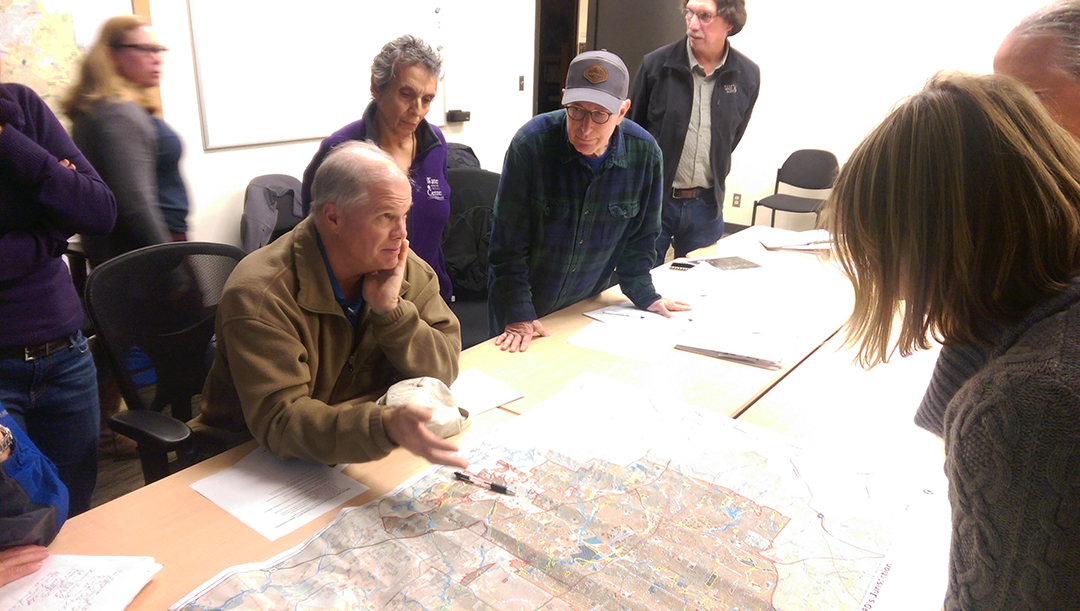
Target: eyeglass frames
pixel 144 50
pixel 578 113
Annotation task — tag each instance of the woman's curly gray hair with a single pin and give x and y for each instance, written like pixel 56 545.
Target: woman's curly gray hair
pixel 407 50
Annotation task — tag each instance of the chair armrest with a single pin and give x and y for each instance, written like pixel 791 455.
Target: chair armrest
pixel 152 430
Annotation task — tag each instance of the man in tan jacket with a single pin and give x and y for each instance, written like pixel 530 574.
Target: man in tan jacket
pixel 314 327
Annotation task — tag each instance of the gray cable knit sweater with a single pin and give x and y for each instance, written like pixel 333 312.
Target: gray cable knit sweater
pixel 1010 417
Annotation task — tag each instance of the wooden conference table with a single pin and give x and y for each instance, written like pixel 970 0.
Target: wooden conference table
pixel 194 539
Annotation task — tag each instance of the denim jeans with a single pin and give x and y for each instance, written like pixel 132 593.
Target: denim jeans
pixel 55 400
pixel 690 224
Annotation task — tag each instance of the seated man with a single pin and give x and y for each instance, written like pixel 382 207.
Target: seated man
pixel 314 327
pixel 579 199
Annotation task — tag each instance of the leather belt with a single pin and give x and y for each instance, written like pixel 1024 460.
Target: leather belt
pixel 688 193
pixel 37 351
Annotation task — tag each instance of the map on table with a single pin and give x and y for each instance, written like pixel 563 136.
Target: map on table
pixel 621 502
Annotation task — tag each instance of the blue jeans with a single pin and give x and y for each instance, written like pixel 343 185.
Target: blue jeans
pixel 55 400
pixel 690 223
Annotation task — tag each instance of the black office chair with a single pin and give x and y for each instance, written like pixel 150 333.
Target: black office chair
pixel 158 303
pixel 806 169
pixel 271 207
pixel 465 245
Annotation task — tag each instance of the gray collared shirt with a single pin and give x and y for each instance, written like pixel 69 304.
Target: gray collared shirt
pixel 695 168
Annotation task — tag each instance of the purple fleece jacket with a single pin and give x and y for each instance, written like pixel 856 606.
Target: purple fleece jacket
pixel 42 204
pixel 431 192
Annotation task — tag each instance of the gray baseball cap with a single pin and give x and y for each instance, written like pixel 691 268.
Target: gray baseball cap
pixel 599 77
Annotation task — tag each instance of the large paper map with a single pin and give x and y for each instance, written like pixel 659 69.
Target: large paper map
pixel 620 502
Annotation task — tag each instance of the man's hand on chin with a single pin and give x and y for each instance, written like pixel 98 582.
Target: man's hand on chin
pixel 382 289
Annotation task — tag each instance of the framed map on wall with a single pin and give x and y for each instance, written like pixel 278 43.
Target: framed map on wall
pixel 42 41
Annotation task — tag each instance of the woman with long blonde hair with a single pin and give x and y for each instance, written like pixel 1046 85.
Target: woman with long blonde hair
pixel 957 219
pixel 113 114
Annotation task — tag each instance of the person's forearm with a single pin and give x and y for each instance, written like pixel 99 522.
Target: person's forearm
pixel 420 341
pixel 76 201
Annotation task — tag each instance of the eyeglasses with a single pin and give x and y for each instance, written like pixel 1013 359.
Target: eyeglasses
pixel 578 113
pixel 703 18
pixel 144 50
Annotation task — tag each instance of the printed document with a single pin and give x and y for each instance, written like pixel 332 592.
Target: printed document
pixel 274 496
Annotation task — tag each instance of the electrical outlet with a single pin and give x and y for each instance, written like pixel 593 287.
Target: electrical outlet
pixel 736 200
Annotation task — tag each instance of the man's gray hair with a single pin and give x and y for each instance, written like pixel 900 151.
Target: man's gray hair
pixel 347 173
pixel 1061 20
pixel 402 52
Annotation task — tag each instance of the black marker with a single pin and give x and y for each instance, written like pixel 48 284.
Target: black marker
pixel 478 481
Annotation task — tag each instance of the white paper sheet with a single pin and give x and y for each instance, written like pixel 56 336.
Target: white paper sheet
pixel 642 343
pixel 761 347
pixel 80 583
pixel 811 241
pixel 630 332
pixel 478 392
pixel 274 496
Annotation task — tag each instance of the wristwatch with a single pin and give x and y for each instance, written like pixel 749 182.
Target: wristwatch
pixel 7 442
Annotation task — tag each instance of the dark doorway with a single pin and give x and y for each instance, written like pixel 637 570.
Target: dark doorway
pixel 632 28
pixel 556 45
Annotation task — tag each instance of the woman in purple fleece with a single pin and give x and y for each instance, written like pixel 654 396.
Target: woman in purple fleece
pixel 404 77
pixel 47 375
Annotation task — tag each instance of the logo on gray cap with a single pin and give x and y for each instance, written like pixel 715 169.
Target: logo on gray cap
pixel 595 74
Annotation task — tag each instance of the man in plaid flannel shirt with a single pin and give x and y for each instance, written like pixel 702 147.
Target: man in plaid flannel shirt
pixel 579 199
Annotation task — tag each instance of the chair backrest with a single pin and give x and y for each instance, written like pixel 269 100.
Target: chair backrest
pixel 809 169
pixel 271 207
pixel 467 234
pixel 158 303
pixel 460 156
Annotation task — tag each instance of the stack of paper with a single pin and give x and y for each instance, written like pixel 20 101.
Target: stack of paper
pixel 91 583
pixel 750 347
pixel 812 241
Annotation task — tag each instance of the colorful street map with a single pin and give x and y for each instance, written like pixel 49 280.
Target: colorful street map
pixel 620 502
pixel 42 41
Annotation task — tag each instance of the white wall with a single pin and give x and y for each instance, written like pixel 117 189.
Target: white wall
pixel 483 63
pixel 832 70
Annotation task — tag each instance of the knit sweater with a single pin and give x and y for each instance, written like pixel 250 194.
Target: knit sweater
pixel 1010 417
pixel 42 204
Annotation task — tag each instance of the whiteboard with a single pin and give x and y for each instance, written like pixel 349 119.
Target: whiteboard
pixel 269 72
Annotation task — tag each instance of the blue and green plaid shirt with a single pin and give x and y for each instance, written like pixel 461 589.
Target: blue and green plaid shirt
pixel 561 229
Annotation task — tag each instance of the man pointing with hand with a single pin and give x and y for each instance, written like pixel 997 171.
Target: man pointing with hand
pixel 314 327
